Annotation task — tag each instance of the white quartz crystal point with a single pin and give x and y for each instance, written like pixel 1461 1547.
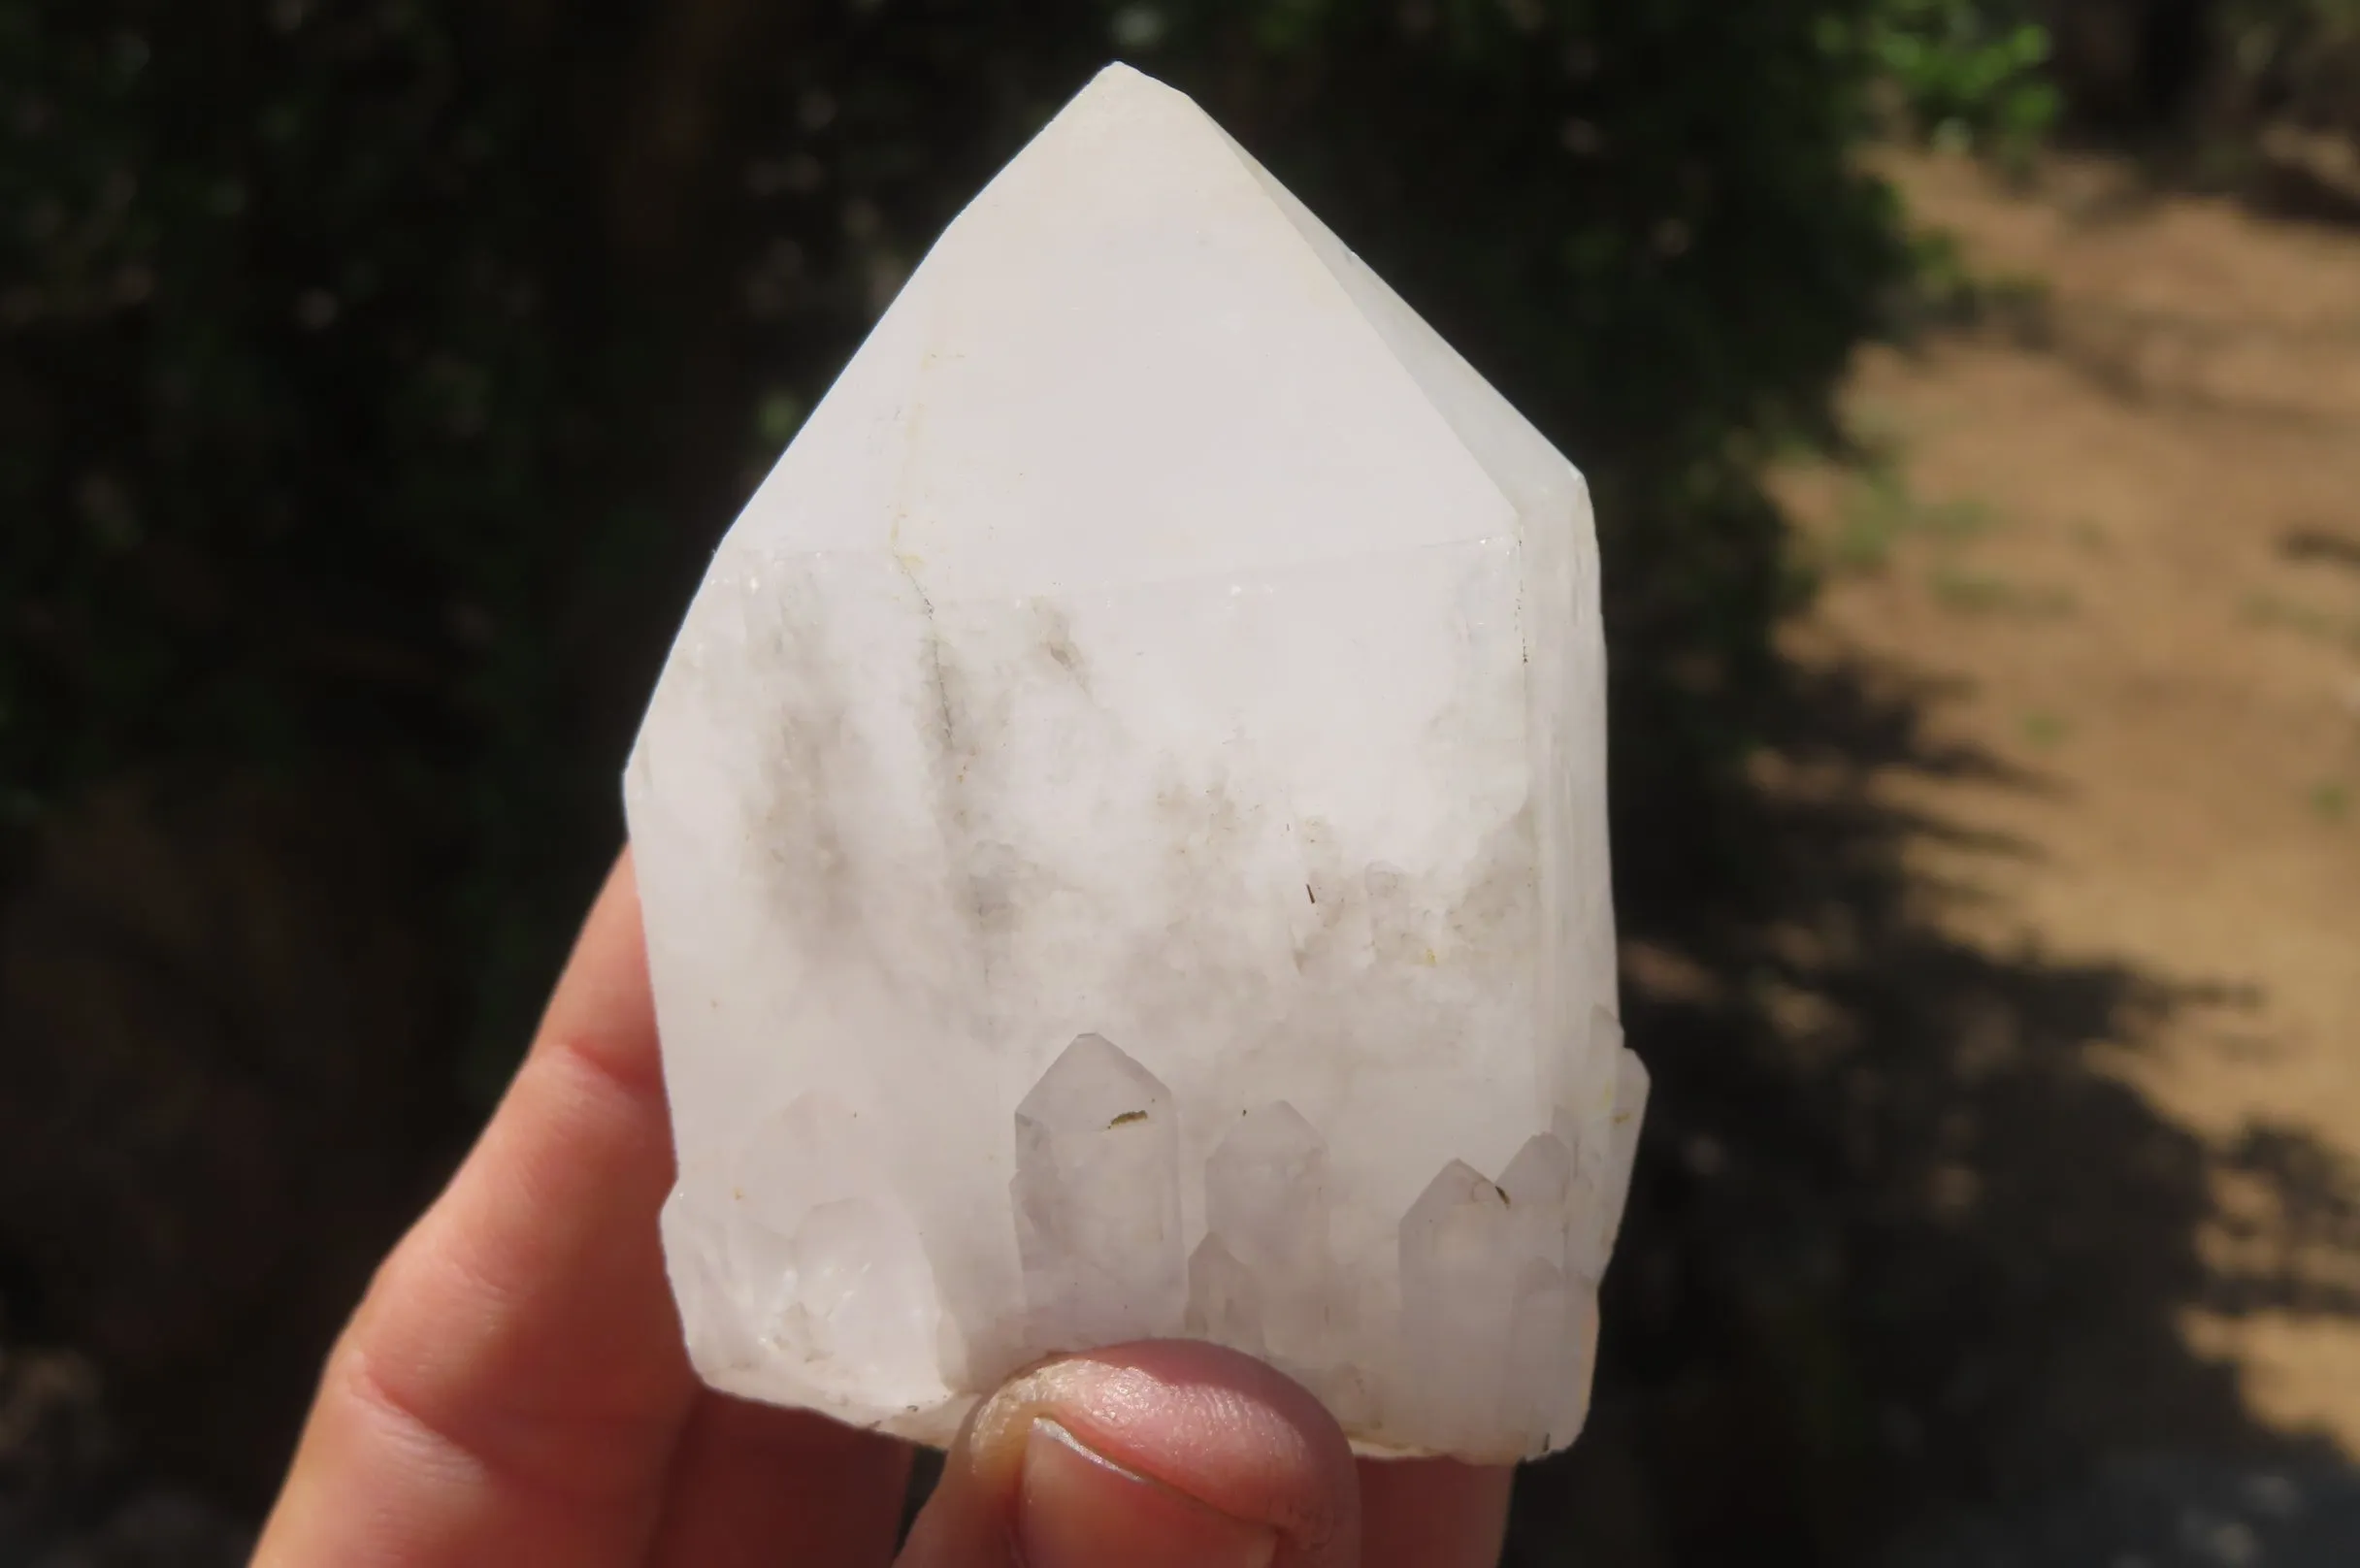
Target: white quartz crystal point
pixel 1266 1207
pixel 1122 836
pixel 1096 1195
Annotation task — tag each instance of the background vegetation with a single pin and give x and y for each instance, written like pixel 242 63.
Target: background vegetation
pixel 375 376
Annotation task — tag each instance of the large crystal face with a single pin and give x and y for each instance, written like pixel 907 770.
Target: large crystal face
pixel 1122 837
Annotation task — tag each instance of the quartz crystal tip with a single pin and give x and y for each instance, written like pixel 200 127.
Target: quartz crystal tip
pixel 1122 836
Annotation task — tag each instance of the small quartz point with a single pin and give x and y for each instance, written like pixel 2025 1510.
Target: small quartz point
pixel 861 1298
pixel 1552 1316
pixel 1096 1195
pixel 1266 1200
pixel 1458 1289
pixel 1122 837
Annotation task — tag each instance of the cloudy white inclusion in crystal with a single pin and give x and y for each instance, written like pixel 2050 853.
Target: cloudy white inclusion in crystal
pixel 1122 837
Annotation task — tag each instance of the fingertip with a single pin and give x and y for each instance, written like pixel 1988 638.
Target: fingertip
pixel 603 1007
pixel 1078 1508
pixel 1163 1451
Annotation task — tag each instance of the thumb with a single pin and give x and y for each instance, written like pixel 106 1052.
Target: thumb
pixel 1170 1455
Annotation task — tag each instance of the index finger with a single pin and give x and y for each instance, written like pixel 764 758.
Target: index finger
pixel 512 1384
pixel 515 1387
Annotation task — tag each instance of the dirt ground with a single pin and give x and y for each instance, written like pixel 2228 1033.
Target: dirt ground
pixel 2106 529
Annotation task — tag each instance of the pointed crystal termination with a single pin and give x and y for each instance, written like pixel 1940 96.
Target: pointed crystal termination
pixel 1266 1198
pixel 1458 1275
pixel 1497 1325
pixel 1607 1151
pixel 1097 1194
pixel 1585 1096
pixel 1552 1325
pixel 1601 1123
pixel 1157 628
pixel 862 1305
pixel 1539 1185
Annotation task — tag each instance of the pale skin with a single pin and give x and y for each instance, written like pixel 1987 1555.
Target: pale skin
pixel 514 1390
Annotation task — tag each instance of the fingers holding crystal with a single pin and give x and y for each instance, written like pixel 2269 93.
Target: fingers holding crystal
pixel 1146 1454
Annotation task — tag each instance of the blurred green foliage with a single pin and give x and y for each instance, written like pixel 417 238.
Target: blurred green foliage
pixel 1971 72
pixel 374 374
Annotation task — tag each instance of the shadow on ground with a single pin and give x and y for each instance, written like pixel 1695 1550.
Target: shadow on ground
pixel 1905 1268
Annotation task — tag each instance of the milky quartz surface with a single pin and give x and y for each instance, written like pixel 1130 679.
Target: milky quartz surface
pixel 1122 837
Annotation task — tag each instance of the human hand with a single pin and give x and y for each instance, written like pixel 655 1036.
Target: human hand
pixel 514 1390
